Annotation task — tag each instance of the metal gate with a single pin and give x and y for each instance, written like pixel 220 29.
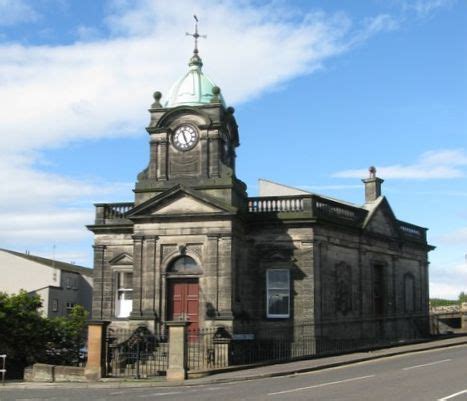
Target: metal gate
pixel 136 353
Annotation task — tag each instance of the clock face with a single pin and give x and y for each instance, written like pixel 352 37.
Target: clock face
pixel 185 137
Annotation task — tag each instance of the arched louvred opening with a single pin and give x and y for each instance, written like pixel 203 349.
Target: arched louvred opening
pixel 184 265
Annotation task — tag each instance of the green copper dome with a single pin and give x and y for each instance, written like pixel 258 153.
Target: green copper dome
pixel 194 88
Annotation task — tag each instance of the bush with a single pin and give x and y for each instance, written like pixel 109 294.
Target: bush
pixel 27 337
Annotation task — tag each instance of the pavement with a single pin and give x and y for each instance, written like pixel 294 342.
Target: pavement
pixel 259 372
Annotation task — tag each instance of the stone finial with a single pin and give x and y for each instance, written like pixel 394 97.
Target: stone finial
pixel 216 91
pixel 372 186
pixel 157 100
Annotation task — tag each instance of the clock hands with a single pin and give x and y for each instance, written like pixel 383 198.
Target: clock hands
pixel 184 137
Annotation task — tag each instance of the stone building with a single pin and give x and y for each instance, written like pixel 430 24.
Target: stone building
pixel 194 246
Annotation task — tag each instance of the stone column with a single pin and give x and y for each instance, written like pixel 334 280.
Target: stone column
pixel 162 159
pixel 214 154
pixel 98 280
pixel 95 365
pixel 148 277
pixel 308 288
pixel 225 278
pixel 136 313
pixel 212 274
pixel 176 370
pixel 153 158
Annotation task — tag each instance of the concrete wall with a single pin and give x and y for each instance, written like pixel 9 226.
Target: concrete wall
pixel 270 188
pixel 22 274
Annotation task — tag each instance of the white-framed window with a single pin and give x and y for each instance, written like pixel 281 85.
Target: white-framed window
pixel 124 304
pixel 55 305
pixel 278 293
pixel 69 307
pixel 68 282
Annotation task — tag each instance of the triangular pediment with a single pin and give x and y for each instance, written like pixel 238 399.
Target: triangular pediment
pixel 180 201
pixel 122 259
pixel 186 204
pixel 381 219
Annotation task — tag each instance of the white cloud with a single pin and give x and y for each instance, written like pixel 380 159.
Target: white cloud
pixel 457 237
pixel 46 208
pixel 440 164
pixel 426 7
pixel 447 281
pixel 101 87
pixel 16 11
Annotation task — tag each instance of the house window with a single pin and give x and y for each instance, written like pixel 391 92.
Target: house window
pixel 69 307
pixel 124 294
pixel 68 282
pixel 278 293
pixel 55 305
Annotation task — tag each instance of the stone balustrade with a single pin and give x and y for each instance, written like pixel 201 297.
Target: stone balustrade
pixel 283 204
pixel 412 232
pixel 110 213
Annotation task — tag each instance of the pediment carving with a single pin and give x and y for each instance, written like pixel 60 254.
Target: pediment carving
pixel 124 259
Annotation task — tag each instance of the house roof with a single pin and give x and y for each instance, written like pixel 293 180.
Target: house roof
pixel 69 267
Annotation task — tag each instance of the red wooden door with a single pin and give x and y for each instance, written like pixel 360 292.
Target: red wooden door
pixel 183 301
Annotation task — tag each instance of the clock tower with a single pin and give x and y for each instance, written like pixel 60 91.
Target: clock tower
pixel 193 137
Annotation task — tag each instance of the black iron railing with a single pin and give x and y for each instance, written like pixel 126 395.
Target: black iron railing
pixel 136 353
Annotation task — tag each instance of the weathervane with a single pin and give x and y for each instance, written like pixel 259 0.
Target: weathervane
pixel 196 35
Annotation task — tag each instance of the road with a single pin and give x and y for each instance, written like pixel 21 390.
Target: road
pixel 433 375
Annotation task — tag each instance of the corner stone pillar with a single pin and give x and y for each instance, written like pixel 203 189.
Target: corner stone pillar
pixel 95 365
pixel 176 370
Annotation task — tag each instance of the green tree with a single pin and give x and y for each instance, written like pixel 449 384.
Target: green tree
pixel 462 297
pixel 23 331
pixel 68 336
pixel 28 337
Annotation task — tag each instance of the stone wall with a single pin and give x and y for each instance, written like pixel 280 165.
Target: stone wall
pixel 41 372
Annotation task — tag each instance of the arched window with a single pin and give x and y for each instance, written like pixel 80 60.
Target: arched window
pixel 184 265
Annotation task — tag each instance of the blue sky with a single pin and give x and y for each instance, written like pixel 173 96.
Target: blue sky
pixel 327 88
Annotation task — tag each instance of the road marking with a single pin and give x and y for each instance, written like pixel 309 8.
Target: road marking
pixel 158 394
pixel 452 395
pixel 427 364
pixel 323 385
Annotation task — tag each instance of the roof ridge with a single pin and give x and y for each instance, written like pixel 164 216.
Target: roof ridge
pixel 51 262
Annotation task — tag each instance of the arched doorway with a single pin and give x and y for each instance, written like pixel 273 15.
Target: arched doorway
pixel 183 291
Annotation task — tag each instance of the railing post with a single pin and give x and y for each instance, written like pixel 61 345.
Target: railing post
pixel 463 313
pixel 177 368
pixel 100 213
pixel 3 369
pixel 95 366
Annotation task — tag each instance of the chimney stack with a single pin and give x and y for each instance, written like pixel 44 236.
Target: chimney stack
pixel 372 186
